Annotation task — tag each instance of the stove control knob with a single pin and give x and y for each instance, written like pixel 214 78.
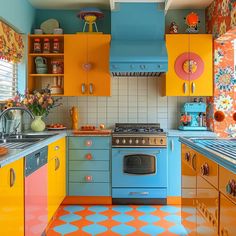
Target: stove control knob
pixel 161 141
pixel 123 141
pixel 117 141
pixel 136 141
pixel 130 141
pixel 143 141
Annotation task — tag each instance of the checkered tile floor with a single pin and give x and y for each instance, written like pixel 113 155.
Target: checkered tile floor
pixel 112 220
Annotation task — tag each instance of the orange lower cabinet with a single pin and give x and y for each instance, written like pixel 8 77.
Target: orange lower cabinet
pixel 12 199
pixel 227 217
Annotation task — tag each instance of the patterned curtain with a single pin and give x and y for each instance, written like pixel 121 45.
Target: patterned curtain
pixel 11 44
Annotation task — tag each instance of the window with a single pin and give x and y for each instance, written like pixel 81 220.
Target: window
pixel 8 79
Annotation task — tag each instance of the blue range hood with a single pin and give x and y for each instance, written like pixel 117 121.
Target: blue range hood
pixel 138 46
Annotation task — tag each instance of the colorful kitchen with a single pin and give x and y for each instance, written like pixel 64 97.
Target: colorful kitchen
pixel 117 117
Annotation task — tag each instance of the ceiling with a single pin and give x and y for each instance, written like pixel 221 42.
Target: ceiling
pixel 76 4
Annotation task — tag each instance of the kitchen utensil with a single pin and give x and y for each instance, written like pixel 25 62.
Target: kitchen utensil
pixel 49 25
pixel 57 87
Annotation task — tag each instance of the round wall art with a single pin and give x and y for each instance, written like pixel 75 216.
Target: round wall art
pixel 189 66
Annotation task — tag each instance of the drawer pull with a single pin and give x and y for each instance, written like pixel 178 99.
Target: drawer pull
pixel 139 193
pixel 12 177
pixel 89 156
pixel 88 143
pixel 56 148
pixel 194 161
pixel 205 169
pixel 89 178
pixel 187 156
pixel 231 187
pixel 57 163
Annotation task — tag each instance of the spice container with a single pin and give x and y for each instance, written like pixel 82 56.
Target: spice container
pixel 56 45
pixel 37 45
pixel 46 45
pixel 57 67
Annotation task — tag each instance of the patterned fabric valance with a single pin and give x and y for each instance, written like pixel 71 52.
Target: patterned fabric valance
pixel 11 44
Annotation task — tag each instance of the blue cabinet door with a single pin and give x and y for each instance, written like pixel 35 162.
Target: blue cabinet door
pixel 174 167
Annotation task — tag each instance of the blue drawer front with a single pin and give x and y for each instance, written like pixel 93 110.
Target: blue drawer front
pixel 95 176
pixel 89 142
pixel 89 189
pixel 89 165
pixel 138 193
pixel 96 155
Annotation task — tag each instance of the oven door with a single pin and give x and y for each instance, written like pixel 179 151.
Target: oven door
pixel 139 167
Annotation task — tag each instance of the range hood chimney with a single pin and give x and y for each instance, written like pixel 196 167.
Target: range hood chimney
pixel 137 45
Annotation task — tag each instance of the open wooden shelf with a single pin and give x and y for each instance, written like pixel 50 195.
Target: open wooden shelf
pixel 45 75
pixel 46 54
pixel 47 35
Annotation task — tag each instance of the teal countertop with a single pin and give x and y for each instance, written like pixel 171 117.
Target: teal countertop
pixel 223 160
pixel 181 133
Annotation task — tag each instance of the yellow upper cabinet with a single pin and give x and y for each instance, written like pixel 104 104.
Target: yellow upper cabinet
pixel 190 64
pixel 12 199
pixel 86 62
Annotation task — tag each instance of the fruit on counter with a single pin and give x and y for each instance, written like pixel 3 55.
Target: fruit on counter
pixel 57 125
pixel 102 126
pixel 88 127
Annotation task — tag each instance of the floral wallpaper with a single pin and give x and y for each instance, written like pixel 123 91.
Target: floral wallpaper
pixel 220 21
pixel 11 44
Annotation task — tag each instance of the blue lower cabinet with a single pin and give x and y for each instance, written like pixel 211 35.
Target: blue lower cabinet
pixel 89 165
pixel 89 189
pixel 174 167
pixel 93 155
pixel 89 176
pixel 138 193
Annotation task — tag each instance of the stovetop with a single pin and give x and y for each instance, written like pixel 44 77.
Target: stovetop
pixel 138 135
pixel 137 128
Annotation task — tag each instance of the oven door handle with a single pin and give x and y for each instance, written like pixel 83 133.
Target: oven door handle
pixel 139 193
pixel 139 153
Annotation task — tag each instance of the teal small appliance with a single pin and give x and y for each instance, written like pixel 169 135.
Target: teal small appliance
pixel 193 116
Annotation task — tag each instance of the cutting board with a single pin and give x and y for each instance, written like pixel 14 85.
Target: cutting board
pixel 92 132
pixel 3 151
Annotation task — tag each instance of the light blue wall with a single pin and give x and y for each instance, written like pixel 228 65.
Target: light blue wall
pixel 178 17
pixel 69 22
pixel 20 15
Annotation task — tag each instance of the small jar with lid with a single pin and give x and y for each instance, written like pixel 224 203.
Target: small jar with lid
pixel 56 45
pixel 46 45
pixel 37 45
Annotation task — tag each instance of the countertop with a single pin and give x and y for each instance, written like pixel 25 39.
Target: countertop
pixel 223 160
pixel 180 133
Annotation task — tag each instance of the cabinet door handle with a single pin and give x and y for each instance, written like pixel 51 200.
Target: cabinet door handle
pixel 172 145
pixel 205 169
pixel 83 89
pixel 91 88
pixel 88 143
pixel 57 163
pixel 89 178
pixel 12 177
pixel 89 156
pixel 139 193
pixel 194 161
pixel 185 88
pixel 193 87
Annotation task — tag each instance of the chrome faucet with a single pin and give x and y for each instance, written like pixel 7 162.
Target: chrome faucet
pixel 3 113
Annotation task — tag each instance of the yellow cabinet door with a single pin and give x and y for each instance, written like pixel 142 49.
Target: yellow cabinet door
pixel 176 45
pixel 56 175
pixel 98 55
pixel 75 56
pixel 227 217
pixel 201 44
pixel 12 199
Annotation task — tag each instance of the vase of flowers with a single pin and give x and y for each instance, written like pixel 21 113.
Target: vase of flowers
pixel 40 103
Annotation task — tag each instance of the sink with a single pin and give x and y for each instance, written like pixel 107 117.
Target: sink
pixel 24 140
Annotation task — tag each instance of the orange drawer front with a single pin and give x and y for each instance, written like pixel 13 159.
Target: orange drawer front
pixel 207 204
pixel 227 183
pixel 208 170
pixel 227 217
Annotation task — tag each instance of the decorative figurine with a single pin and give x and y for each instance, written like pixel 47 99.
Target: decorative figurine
pixel 192 21
pixel 173 28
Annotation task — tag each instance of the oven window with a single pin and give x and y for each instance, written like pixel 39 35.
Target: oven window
pixel 139 164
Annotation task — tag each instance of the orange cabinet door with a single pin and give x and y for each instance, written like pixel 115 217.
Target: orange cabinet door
pixel 98 55
pixel 12 199
pixel 227 217
pixel 75 56
pixel 176 45
pixel 201 44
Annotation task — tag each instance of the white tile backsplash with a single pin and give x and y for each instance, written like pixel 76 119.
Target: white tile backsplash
pixel 134 99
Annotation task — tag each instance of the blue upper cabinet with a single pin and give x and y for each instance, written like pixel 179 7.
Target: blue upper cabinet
pixel 174 167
